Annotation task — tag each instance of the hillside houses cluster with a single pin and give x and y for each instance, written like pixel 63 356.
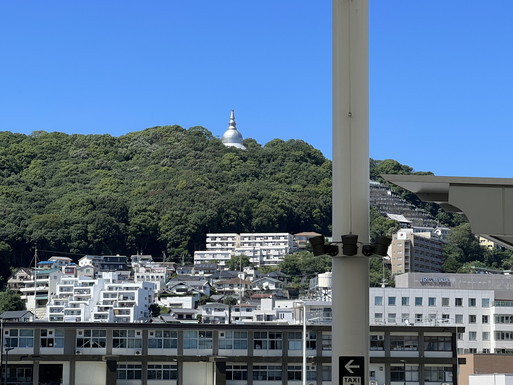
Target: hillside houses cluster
pixel 121 289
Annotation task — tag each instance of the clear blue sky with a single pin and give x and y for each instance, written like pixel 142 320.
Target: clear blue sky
pixel 441 79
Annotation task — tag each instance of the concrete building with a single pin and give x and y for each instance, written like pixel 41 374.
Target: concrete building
pixel 198 354
pixel 415 251
pixel 263 249
pixel 100 300
pixel 483 303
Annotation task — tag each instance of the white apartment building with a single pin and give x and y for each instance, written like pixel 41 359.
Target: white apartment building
pixel 481 303
pixel 100 300
pixel 415 251
pixel 261 248
pixel 146 270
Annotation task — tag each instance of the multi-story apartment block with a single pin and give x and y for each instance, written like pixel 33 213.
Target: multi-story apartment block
pixel 261 248
pixel 415 251
pixel 100 300
pixel 201 354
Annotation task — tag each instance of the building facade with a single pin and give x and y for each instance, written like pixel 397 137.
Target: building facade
pixel 182 354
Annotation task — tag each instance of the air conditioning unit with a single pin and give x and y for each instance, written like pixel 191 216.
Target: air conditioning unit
pixel 78 351
pixel 137 353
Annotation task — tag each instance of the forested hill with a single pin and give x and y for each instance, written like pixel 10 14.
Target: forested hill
pixel 154 191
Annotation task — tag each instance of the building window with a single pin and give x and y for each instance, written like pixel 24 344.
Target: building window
pixel 484 319
pixel 460 336
pixel 437 343
pixel 233 340
pixel 405 301
pixel 405 318
pixel 445 301
pixel 51 338
pixel 126 339
pixel 445 318
pixel 19 338
pixel 504 336
pixel 391 301
pixel 437 373
pixel 197 339
pixel 295 340
pixel 311 340
pixel 268 340
pixel 404 342
pixel 377 342
pixel 267 373
pixel 92 338
pixel 458 318
pixel 162 339
pixel 129 372
pixel 378 317
pixel 458 301
pixel 391 318
pixel 503 318
pixel 472 302
pixel 398 373
pixel 431 301
pixel 19 375
pixel 378 300
pixel 485 302
pixel 472 318
pixel 418 317
pixel 326 372
pixel 162 372
pixel 472 336
pixel 486 336
pixel 294 372
pixel 326 341
pixel 418 301
pixel 236 372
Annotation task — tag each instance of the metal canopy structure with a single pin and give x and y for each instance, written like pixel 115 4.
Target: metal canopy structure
pixel 486 202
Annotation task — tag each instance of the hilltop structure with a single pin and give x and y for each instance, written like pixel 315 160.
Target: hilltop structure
pixel 232 137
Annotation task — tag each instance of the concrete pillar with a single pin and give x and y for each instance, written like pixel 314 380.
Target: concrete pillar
pixel 350 180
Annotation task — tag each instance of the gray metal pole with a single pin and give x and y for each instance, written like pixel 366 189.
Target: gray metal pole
pixel 350 181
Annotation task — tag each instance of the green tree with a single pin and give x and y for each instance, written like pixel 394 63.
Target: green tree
pixel 238 262
pixel 11 301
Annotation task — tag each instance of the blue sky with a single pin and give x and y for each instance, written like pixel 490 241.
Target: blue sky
pixel 441 82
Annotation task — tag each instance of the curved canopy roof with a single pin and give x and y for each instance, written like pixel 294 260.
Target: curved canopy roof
pixel 486 202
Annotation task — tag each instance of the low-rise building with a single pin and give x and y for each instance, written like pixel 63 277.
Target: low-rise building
pixel 202 354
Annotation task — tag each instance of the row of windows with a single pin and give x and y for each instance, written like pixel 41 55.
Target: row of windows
pixel 431 301
pixel 431 343
pixel 192 339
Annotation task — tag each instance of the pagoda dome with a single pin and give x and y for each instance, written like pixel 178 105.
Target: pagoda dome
pixel 232 137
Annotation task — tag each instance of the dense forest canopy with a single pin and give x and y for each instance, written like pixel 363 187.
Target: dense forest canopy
pixel 156 191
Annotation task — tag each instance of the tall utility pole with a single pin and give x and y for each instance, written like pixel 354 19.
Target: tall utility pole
pixel 350 354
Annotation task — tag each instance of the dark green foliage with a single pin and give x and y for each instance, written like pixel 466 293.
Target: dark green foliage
pixel 238 262
pixel 304 265
pixel 11 301
pixel 157 191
